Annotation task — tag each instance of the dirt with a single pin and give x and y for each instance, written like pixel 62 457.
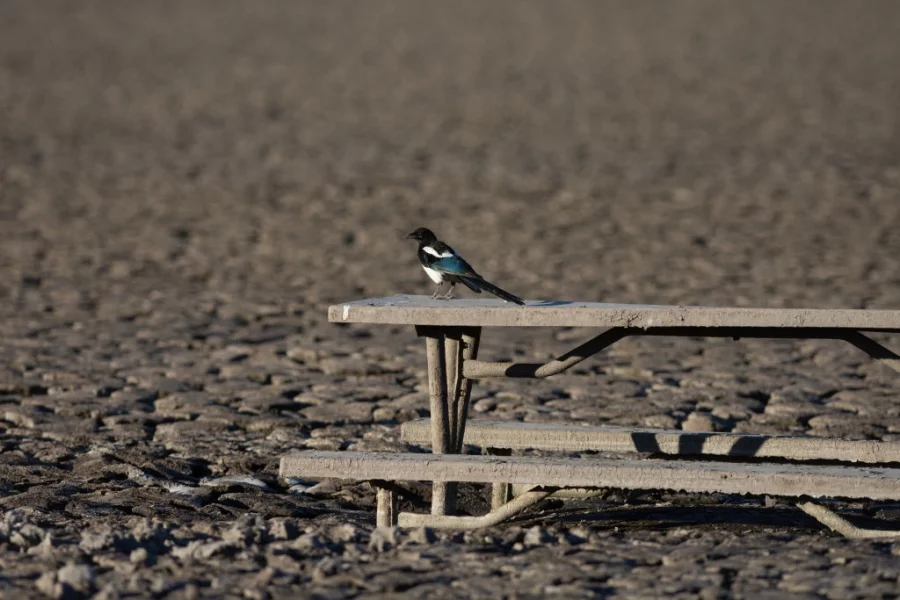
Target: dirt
pixel 185 188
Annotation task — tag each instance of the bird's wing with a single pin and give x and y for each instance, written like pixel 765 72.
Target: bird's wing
pixel 454 265
pixel 444 259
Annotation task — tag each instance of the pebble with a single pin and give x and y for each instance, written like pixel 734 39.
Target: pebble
pixel 383 539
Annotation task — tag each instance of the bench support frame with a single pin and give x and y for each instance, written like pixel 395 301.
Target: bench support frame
pixel 388 515
pixel 506 505
pixel 453 365
pixel 476 369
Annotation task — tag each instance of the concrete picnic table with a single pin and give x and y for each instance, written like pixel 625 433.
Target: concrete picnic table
pixel 452 330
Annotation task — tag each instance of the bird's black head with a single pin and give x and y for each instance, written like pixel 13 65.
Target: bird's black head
pixel 422 235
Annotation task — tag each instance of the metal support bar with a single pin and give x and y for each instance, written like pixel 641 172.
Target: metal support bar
pixel 837 523
pixel 476 369
pixel 490 519
pixel 471 337
pixel 454 359
pixel 875 350
pixel 567 493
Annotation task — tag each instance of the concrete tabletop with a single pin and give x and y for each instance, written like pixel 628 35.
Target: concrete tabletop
pixel 422 310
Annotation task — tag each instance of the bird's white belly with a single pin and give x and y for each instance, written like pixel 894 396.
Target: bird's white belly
pixel 435 276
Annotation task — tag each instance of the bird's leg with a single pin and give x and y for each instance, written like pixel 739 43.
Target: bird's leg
pixel 449 294
pixel 436 290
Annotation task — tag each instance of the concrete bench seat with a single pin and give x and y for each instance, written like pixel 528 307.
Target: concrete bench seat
pixel 608 438
pixel 789 480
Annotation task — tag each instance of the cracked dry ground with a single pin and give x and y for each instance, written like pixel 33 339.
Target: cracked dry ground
pixel 185 187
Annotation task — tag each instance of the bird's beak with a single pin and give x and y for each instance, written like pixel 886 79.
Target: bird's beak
pixel 411 236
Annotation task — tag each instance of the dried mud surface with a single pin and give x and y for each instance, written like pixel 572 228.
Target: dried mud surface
pixel 185 187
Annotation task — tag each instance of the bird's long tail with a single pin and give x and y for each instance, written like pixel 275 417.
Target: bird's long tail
pixel 477 285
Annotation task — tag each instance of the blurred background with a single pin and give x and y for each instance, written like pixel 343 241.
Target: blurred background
pixel 688 152
pixel 185 186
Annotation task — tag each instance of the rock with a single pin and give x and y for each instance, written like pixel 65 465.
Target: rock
pixel 325 568
pixel 231 354
pixel 345 533
pixel 210 549
pixel 27 535
pixel 325 488
pixel 383 539
pixel 47 585
pixel 343 367
pixel 699 422
pixel 309 356
pixel 183 404
pixel 660 422
pixel 189 431
pixel 151 531
pixel 248 530
pixel 93 541
pixel 246 481
pixel 384 413
pixel 17 527
pixel 283 528
pixel 577 535
pixel 340 412
pixel 256 593
pixel 299 489
pixel 536 536
pixel 422 535
pixel 78 577
pixel 138 556
pixel 109 592
pixel 45 548
pixel 71 581
pixel 484 405
pixel 409 414
pixel 308 543
pixel 204 550
pixel 323 443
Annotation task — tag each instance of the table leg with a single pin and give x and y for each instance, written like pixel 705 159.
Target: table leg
pixel 437 390
pixel 439 406
pixel 449 393
pixel 453 361
pixel 386 515
pixel 501 492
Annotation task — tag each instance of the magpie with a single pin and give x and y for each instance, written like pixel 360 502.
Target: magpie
pixel 442 263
